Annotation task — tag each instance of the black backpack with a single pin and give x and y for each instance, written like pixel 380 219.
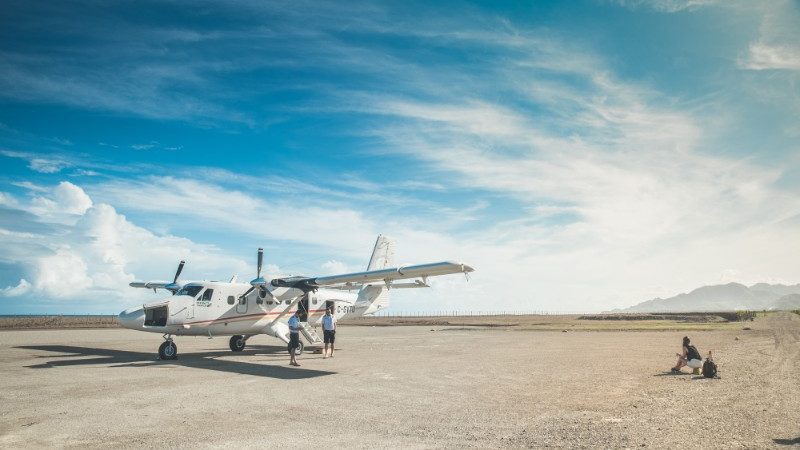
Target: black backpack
pixel 709 368
pixel 692 353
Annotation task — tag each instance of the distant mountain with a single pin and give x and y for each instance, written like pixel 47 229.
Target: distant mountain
pixel 726 297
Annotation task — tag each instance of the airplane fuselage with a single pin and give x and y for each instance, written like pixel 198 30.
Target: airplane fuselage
pixel 219 309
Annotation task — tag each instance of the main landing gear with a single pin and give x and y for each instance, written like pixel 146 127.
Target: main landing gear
pixel 168 349
pixel 238 342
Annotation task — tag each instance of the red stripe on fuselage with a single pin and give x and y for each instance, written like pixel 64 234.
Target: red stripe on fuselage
pixel 245 317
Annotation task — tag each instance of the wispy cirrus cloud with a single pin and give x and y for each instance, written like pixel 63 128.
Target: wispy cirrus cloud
pixel 570 179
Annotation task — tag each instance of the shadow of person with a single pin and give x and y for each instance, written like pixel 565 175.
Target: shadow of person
pixel 670 374
pixel 204 360
pixel 795 441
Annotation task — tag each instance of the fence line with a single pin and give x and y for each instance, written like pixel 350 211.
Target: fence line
pixel 456 313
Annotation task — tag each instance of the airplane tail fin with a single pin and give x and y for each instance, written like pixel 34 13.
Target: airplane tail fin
pixel 383 253
pixel 375 297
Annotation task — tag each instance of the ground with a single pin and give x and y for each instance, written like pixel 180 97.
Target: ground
pixel 411 386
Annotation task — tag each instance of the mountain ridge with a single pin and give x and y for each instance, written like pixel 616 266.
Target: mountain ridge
pixel 726 297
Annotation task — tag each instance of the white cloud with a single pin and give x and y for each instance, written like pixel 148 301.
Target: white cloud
pixel 39 163
pixel 333 267
pixel 772 57
pixel 265 218
pixel 92 258
pixel 668 6
pixel 47 165
pixel 66 199
pixel 63 274
pixel 778 44
pixel 15 291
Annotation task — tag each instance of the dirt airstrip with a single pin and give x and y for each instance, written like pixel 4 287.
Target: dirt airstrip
pixel 413 386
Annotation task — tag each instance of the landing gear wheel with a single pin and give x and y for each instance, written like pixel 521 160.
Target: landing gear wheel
pixel 168 350
pixel 299 350
pixel 237 343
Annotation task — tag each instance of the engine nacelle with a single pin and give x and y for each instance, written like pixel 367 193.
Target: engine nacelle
pixel 279 330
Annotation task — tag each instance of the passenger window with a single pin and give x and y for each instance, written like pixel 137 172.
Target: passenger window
pixel 242 300
pixel 231 300
pixel 208 294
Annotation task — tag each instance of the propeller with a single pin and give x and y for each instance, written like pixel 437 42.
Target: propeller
pixel 259 282
pixel 174 286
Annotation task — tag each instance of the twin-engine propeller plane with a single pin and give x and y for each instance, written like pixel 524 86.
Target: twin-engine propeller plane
pixel 240 310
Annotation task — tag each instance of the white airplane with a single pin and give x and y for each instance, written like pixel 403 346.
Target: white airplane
pixel 240 310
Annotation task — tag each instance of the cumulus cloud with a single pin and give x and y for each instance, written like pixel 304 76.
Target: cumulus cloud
pixel 15 291
pixel 91 259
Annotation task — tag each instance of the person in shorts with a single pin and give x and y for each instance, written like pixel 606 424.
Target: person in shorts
pixel 690 357
pixel 328 331
pixel 294 338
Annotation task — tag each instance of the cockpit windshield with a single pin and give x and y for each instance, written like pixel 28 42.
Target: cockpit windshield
pixel 191 291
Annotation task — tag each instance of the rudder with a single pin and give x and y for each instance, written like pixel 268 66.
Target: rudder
pixel 382 254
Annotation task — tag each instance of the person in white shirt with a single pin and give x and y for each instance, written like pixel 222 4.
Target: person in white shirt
pixel 329 331
pixel 294 338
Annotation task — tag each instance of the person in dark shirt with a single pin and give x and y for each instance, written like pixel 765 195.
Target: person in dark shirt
pixel 689 356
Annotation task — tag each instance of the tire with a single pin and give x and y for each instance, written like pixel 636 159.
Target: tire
pixel 299 350
pixel 237 343
pixel 168 350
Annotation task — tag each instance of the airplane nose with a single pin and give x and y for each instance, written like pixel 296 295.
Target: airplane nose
pixel 131 318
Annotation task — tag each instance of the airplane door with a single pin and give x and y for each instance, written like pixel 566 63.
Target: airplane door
pixel 302 306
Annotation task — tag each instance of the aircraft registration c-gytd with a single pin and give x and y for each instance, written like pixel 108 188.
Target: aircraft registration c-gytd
pixel 240 310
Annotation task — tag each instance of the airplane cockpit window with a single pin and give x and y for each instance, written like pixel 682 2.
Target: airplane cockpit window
pixel 191 291
pixel 208 294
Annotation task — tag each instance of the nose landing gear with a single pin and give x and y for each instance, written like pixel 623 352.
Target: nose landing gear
pixel 168 349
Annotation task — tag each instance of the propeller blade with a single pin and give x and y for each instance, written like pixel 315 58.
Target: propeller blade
pixel 178 273
pixel 260 260
pixel 247 292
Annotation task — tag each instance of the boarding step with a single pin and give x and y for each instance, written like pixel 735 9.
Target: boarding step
pixel 309 333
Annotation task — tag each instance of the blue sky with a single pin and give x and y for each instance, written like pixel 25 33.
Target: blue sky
pixel 581 155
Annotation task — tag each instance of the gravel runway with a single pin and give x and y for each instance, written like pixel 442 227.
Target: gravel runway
pixel 411 387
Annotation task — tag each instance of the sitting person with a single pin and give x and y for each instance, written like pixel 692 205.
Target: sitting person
pixel 689 357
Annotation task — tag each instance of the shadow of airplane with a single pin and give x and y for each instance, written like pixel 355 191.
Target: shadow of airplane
pixel 204 360
pixel 795 441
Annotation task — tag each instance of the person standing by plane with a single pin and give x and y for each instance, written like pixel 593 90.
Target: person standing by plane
pixel 294 337
pixel 329 331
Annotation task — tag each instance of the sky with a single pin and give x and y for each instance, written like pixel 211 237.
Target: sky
pixel 581 156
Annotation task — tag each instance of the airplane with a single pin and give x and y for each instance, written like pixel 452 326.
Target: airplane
pixel 244 310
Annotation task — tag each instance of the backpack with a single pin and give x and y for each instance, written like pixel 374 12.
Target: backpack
pixel 709 368
pixel 692 353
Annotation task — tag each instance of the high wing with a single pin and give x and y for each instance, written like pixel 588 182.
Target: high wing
pixel 172 287
pixel 387 276
pixel 149 284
